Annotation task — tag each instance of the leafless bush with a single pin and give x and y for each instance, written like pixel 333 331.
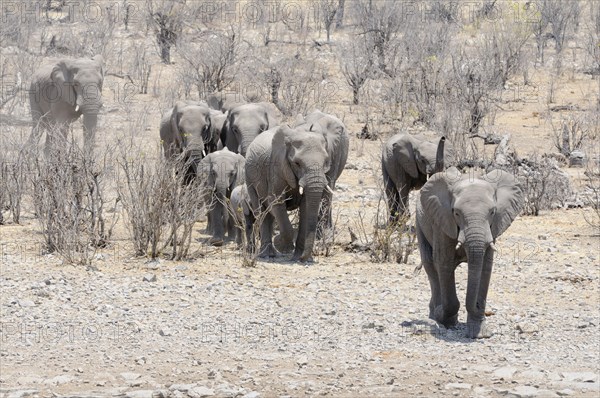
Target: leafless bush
pixel 14 175
pixel 141 69
pixel 327 11
pixel 572 133
pixel 161 210
pixel 166 18
pixel 593 37
pixel 212 60
pixel 356 58
pixel 70 199
pixel 592 191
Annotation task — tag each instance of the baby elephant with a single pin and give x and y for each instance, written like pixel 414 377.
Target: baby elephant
pixel 239 206
pixel 221 172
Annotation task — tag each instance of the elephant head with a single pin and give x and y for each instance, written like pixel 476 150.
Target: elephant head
pixel 423 158
pixel 472 213
pixel 217 121
pixel 190 123
pixel 244 123
pixel 299 164
pixel 79 83
pixel 222 170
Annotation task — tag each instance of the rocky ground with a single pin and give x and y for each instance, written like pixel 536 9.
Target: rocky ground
pixel 343 326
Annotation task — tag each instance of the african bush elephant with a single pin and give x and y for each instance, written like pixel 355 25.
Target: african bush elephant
pixel 337 147
pixel 217 121
pixel 459 218
pixel 285 170
pixel 221 172
pixel 184 129
pixel 406 163
pixel 62 91
pixel 239 206
pixel 224 101
pixel 245 122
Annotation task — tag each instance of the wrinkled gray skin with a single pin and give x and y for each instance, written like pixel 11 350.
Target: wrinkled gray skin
pixel 224 101
pixel 63 91
pixel 183 130
pixel 458 219
pixel 337 147
pixel 213 142
pixel 239 206
pixel 244 123
pixel 221 172
pixel 281 163
pixel 406 163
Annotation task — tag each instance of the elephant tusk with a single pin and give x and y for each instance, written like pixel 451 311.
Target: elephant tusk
pixel 203 153
pixel 301 190
pixel 458 245
pixel 328 188
pixel 77 108
pixel 493 247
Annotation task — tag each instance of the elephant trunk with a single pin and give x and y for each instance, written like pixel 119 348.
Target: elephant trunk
pixel 439 157
pixel 477 241
pixel 90 123
pixel 309 213
pixel 220 214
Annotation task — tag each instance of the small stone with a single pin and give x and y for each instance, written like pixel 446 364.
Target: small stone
pixel 182 387
pixel 543 237
pixel 58 380
pixel 527 327
pixel 21 393
pixel 26 303
pixel 505 372
pixel 252 394
pixel 200 392
pixel 130 376
pixel 302 361
pixel 149 278
pixel 165 332
pixel 458 386
pixel 586 377
pixel 565 392
pixel 524 392
pixel 140 394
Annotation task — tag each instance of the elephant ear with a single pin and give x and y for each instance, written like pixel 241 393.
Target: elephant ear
pixel 509 200
pixel 405 156
pixel 100 61
pixel 280 152
pixel 240 169
pixel 436 200
pixel 62 76
pixel 175 116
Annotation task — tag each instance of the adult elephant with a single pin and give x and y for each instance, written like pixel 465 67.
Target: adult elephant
pixel 217 121
pixel 406 163
pixel 221 172
pixel 61 92
pixel 285 170
pixel 459 219
pixel 224 101
pixel 337 147
pixel 184 130
pixel 245 122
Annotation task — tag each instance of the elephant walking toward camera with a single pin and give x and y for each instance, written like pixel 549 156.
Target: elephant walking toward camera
pixel 338 144
pixel 61 92
pixel 406 163
pixel 285 170
pixel 459 219
pixel 245 122
pixel 239 206
pixel 221 172
pixel 185 130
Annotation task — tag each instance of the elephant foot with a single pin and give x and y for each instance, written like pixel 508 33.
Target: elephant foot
pixel 443 319
pixel 215 241
pixel 267 251
pixel 303 258
pixel 282 246
pixel 478 329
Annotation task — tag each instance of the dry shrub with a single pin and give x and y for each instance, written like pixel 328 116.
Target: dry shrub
pixel 70 192
pixel 161 210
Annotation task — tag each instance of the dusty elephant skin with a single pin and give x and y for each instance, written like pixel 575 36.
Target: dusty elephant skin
pixel 184 129
pixel 286 169
pixel 337 148
pixel 61 92
pixel 220 172
pixel 406 163
pixel 244 123
pixel 458 219
pixel 239 206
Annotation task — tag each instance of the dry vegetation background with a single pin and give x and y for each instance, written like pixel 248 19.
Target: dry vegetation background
pixel 512 84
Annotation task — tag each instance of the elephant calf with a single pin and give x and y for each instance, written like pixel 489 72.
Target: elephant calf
pixel 221 172
pixel 406 163
pixel 459 219
pixel 239 207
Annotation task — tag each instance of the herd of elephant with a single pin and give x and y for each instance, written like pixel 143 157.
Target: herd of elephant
pixel 255 165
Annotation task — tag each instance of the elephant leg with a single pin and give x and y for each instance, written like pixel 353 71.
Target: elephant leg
pixel 393 197
pixel 432 276
pixel 266 237
pixel 284 242
pixel 403 203
pixel 447 313
pixel 249 221
pixel 217 218
pixel 476 322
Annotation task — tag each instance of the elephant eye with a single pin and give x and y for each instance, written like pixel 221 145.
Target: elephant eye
pixel 493 211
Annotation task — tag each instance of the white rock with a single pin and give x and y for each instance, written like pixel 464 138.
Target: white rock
pixel 21 393
pixel 252 394
pixel 458 386
pixel 505 372
pixel 140 394
pixel 182 387
pixel 61 379
pixel 200 392
pixel 130 376
pixel 587 377
pixel 565 392
pixel 524 392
